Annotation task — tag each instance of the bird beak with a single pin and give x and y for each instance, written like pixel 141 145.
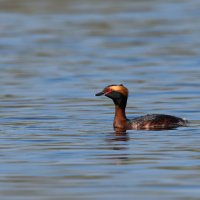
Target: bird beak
pixel 99 94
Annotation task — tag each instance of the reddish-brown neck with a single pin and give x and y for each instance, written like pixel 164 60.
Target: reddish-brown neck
pixel 120 118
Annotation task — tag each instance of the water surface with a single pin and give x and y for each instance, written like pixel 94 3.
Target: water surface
pixel 56 137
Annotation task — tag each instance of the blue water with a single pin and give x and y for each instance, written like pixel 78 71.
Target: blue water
pixel 56 137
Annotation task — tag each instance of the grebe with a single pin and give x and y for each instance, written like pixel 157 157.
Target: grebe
pixel 119 95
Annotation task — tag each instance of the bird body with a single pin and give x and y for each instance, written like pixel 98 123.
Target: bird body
pixel 119 95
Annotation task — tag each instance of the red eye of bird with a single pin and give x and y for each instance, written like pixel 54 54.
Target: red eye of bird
pixel 108 91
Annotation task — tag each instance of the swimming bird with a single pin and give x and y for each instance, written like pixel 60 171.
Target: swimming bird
pixel 119 95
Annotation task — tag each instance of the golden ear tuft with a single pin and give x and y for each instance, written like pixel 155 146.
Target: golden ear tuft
pixel 120 88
